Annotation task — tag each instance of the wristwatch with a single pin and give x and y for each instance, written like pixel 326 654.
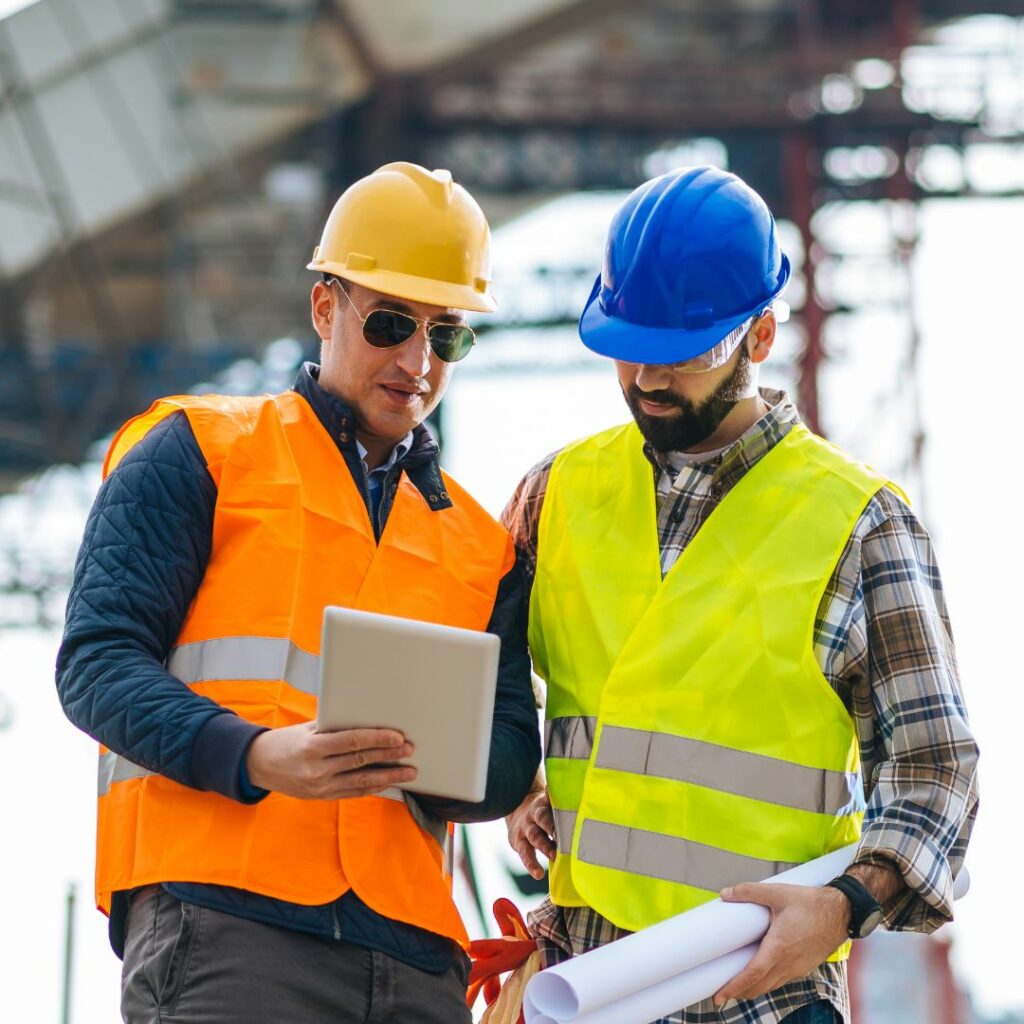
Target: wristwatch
pixel 865 910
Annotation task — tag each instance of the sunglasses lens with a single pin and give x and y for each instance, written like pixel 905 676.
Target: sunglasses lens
pixel 384 328
pixel 451 342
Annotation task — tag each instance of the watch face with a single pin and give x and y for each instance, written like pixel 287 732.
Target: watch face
pixel 869 924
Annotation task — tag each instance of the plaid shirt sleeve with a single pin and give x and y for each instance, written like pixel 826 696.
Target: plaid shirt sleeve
pixel 892 661
pixel 521 516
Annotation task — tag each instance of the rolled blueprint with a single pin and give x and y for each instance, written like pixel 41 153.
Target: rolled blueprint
pixel 683 990
pixel 657 966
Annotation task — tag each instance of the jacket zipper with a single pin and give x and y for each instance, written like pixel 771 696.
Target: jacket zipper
pixel 336 922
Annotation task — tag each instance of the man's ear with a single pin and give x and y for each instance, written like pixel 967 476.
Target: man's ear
pixel 762 335
pixel 321 303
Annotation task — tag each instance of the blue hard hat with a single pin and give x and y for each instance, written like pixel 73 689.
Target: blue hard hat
pixel 690 255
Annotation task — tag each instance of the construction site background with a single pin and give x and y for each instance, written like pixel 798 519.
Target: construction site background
pixel 164 169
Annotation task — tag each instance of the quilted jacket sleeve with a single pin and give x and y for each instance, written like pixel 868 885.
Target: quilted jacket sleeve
pixel 146 546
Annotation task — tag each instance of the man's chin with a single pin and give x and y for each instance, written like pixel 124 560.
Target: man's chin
pixel 674 432
pixel 659 431
pixel 664 440
pixel 394 419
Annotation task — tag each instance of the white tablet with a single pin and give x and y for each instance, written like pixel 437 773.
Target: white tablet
pixel 433 683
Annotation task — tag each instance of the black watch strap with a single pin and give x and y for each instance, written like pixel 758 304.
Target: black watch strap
pixel 865 910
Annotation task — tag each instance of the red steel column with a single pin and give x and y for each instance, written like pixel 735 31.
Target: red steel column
pixel 798 152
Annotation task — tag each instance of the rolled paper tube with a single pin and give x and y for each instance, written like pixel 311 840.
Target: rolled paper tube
pixel 530 1012
pixel 669 949
pixel 683 990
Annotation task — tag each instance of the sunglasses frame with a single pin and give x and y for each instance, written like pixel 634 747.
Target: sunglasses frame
pixel 424 322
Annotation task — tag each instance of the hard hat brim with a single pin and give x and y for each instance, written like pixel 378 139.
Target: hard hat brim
pixel 415 289
pixel 635 343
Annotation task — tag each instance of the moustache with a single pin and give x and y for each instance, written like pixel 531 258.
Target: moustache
pixel 661 397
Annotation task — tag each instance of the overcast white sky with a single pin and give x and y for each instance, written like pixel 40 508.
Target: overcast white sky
pixel 10 6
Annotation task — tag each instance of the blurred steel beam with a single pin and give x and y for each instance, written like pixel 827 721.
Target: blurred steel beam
pixel 337 12
pixel 85 262
pixel 541 31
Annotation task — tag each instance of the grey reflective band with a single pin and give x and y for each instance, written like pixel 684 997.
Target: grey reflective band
pixel 655 855
pixel 565 825
pixel 571 736
pixel 730 771
pixel 246 657
pixel 449 854
pixel 113 768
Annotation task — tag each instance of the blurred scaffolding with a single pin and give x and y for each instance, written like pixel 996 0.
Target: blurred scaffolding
pixel 165 164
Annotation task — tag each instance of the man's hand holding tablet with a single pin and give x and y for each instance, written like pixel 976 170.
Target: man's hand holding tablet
pixel 299 761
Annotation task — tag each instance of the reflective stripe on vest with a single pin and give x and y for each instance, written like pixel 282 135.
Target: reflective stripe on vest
pixel 570 737
pixel 732 771
pixel 565 825
pixel 692 740
pixel 292 535
pixel 655 855
pixel 246 657
pixel 706 764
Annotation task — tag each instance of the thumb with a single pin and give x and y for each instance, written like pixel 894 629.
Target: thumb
pixel 752 892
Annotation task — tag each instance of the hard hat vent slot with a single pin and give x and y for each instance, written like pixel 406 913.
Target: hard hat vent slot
pixel 356 261
pixel 696 317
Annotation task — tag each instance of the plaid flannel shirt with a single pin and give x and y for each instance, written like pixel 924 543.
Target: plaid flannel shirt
pixel 882 639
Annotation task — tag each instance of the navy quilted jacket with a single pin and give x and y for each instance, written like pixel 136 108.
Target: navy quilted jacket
pixel 145 549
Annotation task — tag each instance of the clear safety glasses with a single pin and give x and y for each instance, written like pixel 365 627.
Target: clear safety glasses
pixel 386 328
pixel 717 356
pixel 721 353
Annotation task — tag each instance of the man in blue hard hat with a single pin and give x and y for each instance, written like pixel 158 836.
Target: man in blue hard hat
pixel 742 631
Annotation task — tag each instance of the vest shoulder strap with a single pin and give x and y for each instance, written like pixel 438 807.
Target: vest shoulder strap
pixel 217 420
pixel 811 448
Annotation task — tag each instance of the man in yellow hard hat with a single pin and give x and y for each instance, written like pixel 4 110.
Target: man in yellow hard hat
pixel 252 868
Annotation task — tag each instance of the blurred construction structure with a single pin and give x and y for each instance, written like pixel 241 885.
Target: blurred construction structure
pixel 165 165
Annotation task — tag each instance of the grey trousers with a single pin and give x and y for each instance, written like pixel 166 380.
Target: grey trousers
pixel 185 964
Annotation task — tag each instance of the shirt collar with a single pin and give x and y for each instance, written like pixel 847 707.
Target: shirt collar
pixel 397 453
pixel 729 465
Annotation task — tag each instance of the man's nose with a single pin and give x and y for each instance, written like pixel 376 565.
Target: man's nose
pixel 414 354
pixel 653 376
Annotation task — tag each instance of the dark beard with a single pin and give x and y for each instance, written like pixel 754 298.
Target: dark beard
pixel 680 431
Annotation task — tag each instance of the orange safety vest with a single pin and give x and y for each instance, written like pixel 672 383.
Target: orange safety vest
pixel 291 534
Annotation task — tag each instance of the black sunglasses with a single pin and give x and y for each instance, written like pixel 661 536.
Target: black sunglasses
pixel 386 328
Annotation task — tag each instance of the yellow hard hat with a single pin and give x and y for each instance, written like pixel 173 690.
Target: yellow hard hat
pixel 411 233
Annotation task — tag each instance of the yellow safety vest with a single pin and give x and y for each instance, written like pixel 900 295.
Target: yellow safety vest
pixel 692 741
